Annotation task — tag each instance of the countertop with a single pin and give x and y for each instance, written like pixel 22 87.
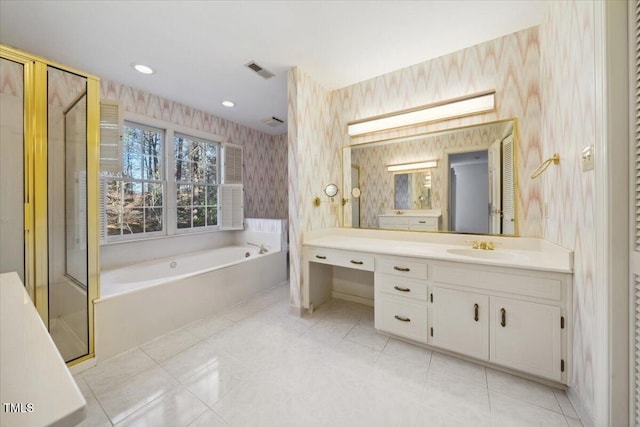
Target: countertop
pixel 525 253
pixel 33 377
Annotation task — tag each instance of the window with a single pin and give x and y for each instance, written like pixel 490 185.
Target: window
pixel 196 179
pixel 164 189
pixel 134 199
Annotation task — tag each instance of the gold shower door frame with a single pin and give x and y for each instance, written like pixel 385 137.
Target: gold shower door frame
pixel 35 184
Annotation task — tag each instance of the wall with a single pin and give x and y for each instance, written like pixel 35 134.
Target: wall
pixel 265 155
pixel 568 75
pixel 314 161
pixel 510 65
pixel 265 174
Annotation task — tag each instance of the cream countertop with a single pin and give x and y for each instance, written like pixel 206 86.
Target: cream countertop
pixel 528 253
pixel 33 376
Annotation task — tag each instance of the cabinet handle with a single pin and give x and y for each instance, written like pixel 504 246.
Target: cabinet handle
pixel 476 309
pixel 321 257
pixel 356 262
pixel 401 268
pixel 402 318
pixel 398 288
pixel 503 315
pixel 422 222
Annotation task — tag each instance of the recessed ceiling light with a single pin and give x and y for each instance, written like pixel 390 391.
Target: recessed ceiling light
pixel 228 103
pixel 143 69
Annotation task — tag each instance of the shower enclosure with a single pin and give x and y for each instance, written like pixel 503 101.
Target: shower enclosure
pixel 49 214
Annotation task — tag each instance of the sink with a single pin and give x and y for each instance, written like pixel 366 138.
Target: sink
pixel 484 254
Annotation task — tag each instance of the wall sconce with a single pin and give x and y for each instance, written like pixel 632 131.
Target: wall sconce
pixel 413 166
pixel 459 107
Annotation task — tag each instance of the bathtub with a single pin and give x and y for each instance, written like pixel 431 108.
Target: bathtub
pixel 143 301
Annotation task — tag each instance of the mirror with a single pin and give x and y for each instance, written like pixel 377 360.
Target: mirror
pixel 331 190
pixel 412 190
pixel 472 188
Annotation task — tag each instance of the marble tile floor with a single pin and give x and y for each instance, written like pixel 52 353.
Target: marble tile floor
pixel 257 365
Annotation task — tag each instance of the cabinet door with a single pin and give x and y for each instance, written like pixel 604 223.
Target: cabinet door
pixel 526 336
pixel 461 322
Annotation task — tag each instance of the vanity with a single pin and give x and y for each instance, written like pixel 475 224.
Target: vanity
pixel 509 307
pixel 420 220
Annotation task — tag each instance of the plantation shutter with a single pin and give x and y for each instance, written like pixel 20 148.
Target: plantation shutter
pixel 102 211
pixel 111 123
pixel 508 187
pixel 634 340
pixel 231 190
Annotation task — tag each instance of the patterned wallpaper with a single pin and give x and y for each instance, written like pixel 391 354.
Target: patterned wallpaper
pixel 568 74
pixel 376 183
pixel 264 155
pixel 314 162
pixel 318 121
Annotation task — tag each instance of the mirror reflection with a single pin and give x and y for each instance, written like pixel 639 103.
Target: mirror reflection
pixel 470 186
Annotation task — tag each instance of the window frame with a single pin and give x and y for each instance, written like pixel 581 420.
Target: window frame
pixel 170 228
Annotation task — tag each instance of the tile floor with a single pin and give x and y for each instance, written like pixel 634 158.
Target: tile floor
pixel 257 365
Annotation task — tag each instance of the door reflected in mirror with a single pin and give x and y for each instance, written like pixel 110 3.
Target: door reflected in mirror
pixel 473 188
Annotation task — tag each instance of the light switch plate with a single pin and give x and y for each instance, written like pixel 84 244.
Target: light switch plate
pixel 587 158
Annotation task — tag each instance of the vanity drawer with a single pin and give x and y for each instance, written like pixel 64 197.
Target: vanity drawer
pixel 401 267
pixel 356 260
pixel 425 222
pixel 400 286
pixel 403 318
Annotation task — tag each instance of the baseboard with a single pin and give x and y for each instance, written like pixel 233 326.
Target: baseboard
pixel 585 416
pixel 352 298
pixel 82 366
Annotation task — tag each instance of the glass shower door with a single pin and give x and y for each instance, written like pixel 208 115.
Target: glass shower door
pixel 67 212
pixel 12 239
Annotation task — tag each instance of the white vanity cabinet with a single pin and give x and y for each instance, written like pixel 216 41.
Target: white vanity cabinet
pixel 400 302
pixel 460 322
pixel 409 222
pixel 507 314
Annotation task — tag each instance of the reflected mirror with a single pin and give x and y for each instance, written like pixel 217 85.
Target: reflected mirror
pixel 471 189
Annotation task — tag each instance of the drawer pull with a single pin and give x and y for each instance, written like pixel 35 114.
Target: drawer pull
pixel 422 222
pixel 402 318
pixel 503 315
pixel 356 262
pixel 321 257
pixel 398 288
pixel 476 309
pixel 405 269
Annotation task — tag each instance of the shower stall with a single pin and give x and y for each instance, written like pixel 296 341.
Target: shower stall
pixel 49 118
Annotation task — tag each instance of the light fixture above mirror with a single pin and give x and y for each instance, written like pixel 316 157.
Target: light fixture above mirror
pixel 413 166
pixel 459 107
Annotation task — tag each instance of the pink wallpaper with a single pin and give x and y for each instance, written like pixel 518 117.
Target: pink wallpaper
pixel 318 122
pixel 568 92
pixel 265 176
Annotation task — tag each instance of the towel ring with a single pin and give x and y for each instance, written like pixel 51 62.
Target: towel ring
pixel 543 167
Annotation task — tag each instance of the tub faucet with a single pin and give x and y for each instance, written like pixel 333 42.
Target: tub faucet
pixel 263 250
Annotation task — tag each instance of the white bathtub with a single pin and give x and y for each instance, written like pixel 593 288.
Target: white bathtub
pixel 156 272
pixel 143 301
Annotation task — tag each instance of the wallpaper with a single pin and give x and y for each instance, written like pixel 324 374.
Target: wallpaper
pixel 313 163
pixel 265 176
pixel 568 93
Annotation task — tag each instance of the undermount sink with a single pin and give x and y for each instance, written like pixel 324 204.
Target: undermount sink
pixel 484 254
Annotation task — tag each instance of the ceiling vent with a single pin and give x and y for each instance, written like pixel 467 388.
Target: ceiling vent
pixel 272 121
pixel 266 74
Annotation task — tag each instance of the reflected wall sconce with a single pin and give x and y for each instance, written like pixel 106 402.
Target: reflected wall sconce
pixel 459 107
pixel 413 166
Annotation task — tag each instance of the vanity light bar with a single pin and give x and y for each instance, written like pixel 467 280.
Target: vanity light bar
pixel 411 166
pixel 474 104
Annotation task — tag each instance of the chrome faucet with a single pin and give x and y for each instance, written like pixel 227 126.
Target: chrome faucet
pixel 263 250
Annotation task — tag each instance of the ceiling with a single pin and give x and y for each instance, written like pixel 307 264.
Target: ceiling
pixel 198 49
